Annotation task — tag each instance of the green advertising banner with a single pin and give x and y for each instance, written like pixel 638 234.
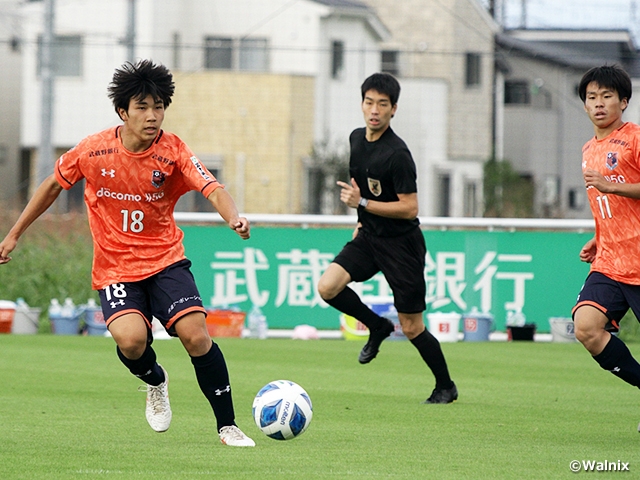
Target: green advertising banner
pixel 535 272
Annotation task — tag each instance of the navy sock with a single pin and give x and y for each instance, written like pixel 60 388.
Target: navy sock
pixel 617 359
pixel 431 353
pixel 213 378
pixel 348 302
pixel 145 368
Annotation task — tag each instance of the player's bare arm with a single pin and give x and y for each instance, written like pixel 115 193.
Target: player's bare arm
pixel 226 207
pixel 405 208
pixel 593 178
pixel 42 199
pixel 588 252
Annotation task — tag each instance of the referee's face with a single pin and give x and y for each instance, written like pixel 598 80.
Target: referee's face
pixel 378 112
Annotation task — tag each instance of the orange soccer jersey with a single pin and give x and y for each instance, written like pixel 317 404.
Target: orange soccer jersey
pixel 130 199
pixel 617 218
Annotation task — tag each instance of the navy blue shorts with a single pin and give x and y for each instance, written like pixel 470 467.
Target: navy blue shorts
pixel 612 298
pixel 401 259
pixel 168 295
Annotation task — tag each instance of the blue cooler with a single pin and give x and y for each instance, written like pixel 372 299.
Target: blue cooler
pixel 66 325
pixel 386 309
pixel 477 326
pixel 94 320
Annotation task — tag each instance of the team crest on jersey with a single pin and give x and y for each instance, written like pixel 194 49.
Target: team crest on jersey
pixel 374 186
pixel 612 160
pixel 158 178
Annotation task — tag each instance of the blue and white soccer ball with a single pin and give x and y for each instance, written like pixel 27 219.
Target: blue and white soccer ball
pixel 282 410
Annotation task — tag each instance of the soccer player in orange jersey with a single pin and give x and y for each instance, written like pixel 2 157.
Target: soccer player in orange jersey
pixel 135 173
pixel 611 170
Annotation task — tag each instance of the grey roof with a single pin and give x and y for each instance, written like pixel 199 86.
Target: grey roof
pixel 343 3
pixel 576 48
pixel 354 7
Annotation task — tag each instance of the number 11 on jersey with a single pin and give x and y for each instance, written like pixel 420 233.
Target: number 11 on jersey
pixel 603 203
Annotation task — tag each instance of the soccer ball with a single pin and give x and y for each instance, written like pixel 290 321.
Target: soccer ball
pixel 282 410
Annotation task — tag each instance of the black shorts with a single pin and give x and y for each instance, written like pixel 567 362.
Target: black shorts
pixel 401 259
pixel 168 295
pixel 610 297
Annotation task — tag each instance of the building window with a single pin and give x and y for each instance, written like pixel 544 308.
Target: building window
pixel 337 59
pixel 218 52
pixel 516 92
pixel 24 175
pixel 202 203
pixel 576 198
pixel 470 199
pixel 66 55
pixel 225 53
pixel 315 187
pixel 253 54
pixel 390 62
pixel 444 188
pixel 75 197
pixel 472 69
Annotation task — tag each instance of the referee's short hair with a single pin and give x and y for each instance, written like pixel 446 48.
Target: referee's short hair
pixel 607 76
pixel 384 83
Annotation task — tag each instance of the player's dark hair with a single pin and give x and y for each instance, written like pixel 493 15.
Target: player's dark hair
pixel 383 83
pixel 607 76
pixel 137 81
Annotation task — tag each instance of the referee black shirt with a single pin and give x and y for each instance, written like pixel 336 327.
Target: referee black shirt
pixel 382 169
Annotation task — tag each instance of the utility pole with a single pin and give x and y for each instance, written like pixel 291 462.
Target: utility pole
pixel 523 14
pixel 45 153
pixel 130 39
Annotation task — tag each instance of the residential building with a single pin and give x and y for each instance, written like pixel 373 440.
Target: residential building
pixel 451 41
pixel 12 180
pixel 305 58
pixel 543 123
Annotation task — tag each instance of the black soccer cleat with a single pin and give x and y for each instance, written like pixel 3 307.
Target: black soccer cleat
pixel 449 395
pixel 376 337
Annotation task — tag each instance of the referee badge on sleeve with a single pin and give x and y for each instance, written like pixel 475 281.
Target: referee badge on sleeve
pixel 374 186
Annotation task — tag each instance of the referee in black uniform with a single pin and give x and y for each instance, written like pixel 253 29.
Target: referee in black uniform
pixel 387 237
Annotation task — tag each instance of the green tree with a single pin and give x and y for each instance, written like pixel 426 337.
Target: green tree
pixel 328 164
pixel 506 193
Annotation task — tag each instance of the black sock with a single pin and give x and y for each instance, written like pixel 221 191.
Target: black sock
pixel 213 378
pixel 348 301
pixel 617 359
pixel 145 368
pixel 431 353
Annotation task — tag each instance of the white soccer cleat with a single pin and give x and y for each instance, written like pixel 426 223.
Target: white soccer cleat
pixel 158 410
pixel 234 437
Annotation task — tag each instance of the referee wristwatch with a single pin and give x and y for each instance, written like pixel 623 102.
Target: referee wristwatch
pixel 363 202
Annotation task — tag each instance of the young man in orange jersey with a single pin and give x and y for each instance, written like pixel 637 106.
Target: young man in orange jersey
pixel 135 173
pixel 611 170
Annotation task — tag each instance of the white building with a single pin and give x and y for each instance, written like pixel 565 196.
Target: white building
pixel 11 178
pixel 334 41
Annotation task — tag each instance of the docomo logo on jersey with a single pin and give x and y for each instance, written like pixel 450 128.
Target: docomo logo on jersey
pixel 128 197
pixel 198 166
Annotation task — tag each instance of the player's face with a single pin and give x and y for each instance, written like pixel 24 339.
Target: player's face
pixel 143 120
pixel 604 107
pixel 378 111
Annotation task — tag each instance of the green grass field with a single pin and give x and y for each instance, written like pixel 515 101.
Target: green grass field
pixel 70 410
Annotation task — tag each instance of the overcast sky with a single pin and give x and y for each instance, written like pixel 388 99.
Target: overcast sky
pixel 572 14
